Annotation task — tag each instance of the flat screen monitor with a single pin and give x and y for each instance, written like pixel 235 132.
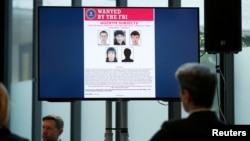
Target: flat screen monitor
pixel 110 53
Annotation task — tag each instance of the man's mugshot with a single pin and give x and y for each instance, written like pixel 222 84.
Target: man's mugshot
pixel 103 38
pixel 135 38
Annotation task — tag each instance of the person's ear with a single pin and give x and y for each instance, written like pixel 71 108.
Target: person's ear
pixel 185 96
pixel 60 131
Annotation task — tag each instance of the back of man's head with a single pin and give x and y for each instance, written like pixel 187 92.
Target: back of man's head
pixel 199 81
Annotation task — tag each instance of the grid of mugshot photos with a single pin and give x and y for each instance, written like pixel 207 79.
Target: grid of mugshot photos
pixel 119 42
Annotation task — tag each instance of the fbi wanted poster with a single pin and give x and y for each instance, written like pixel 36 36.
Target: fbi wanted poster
pixel 119 52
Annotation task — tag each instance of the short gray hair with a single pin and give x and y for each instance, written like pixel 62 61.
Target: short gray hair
pixel 199 80
pixel 58 120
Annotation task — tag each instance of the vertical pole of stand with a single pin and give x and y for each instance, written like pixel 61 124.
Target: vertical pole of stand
pixel 121 121
pixel 117 120
pixel 124 119
pixel 108 134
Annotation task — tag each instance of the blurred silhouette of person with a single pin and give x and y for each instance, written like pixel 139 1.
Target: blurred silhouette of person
pixel 127 54
pixel 5 133
pixel 135 37
pixel 52 127
pixel 103 35
pixel 119 37
pixel 111 55
pixel 197 85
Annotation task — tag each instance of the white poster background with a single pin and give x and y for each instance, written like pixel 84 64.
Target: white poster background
pixel 119 79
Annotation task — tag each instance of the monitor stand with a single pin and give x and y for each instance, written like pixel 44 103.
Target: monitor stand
pixel 121 129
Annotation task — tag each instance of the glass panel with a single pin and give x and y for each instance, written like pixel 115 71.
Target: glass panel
pixel 56 2
pixel 242 69
pixel 99 3
pixel 20 105
pixel 21 50
pixel 145 118
pixel 93 120
pixel 20 67
pixel 148 3
pixel 242 86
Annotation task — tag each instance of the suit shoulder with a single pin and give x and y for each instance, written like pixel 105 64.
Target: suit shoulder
pixel 174 122
pixel 14 137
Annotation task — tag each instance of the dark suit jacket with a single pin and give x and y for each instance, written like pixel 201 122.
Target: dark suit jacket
pixel 196 125
pixel 7 135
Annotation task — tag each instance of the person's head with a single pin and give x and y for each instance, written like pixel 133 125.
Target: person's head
pixel 103 37
pixel 119 36
pixel 135 37
pixel 4 105
pixel 111 55
pixel 52 127
pixel 197 86
pixel 127 52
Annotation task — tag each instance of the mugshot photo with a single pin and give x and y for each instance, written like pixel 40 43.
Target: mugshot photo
pixel 135 38
pixel 103 37
pixel 119 37
pixel 127 55
pixel 111 54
